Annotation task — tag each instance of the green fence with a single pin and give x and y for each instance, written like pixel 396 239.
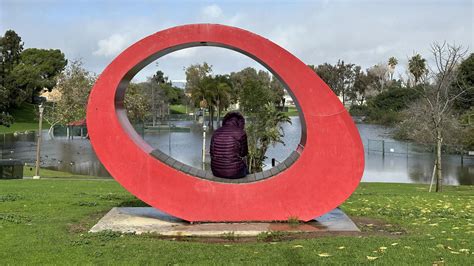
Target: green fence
pixel 384 147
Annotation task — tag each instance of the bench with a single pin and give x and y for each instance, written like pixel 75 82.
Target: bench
pixel 11 169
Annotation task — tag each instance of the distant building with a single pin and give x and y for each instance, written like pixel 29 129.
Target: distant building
pixel 288 100
pixel 51 96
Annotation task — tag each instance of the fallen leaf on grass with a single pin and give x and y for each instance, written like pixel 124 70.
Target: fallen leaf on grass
pixel 297 246
pixel 324 255
pixel 342 247
pixel 454 252
pixel 394 244
pixel 438 263
pixel 372 258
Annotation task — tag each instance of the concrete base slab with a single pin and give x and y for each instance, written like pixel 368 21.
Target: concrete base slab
pixel 150 220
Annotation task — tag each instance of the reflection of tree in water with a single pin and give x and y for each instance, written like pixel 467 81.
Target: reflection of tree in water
pixel 420 171
pixel 464 174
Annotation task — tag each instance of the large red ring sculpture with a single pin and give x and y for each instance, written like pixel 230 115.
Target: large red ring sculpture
pixel 327 172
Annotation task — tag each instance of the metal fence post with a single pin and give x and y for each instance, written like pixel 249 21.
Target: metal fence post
pixel 408 145
pixel 383 148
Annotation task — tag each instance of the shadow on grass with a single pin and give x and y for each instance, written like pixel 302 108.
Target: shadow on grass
pixel 133 203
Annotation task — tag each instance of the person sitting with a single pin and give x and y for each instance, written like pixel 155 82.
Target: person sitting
pixel 229 148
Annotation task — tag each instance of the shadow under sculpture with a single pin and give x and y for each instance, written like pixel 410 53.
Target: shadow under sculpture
pixel 317 177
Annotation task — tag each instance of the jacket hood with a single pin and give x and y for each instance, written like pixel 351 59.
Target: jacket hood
pixel 234 119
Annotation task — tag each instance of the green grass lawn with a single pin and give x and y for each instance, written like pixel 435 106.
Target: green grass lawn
pixel 25 119
pixel 292 111
pixel 46 222
pixel 178 109
pixel 29 171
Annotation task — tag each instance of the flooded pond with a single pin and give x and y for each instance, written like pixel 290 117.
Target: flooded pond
pixel 386 160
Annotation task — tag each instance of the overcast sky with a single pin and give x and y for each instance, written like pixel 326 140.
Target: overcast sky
pixel 360 32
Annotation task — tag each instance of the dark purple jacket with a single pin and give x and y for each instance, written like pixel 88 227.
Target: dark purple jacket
pixel 228 146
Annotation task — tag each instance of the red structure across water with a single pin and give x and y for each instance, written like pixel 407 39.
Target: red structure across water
pixel 328 170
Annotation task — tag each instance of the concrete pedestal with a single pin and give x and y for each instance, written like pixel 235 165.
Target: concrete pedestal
pixel 149 220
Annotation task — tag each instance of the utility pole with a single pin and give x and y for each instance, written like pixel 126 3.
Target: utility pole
pixel 38 147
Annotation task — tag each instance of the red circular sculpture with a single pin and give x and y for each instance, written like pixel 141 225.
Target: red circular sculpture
pixel 328 170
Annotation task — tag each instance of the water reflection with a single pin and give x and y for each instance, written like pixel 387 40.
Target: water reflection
pixel 395 165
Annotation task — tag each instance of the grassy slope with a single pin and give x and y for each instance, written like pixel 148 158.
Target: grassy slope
pixel 29 171
pixel 25 119
pixel 178 109
pixel 46 221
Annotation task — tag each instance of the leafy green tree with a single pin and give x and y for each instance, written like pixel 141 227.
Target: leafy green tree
pixel 278 91
pixel 137 102
pixel 254 89
pixel 257 97
pixel 262 131
pixel 10 50
pixel 201 87
pixel 328 73
pixel 161 93
pixel 340 78
pixel 5 118
pixel 37 70
pixel 465 80
pixel 365 87
pixel 220 87
pixel 417 67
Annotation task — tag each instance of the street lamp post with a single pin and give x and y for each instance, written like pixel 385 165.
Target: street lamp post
pixel 203 105
pixel 38 147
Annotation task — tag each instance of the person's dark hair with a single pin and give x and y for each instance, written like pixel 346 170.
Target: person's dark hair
pixel 234 118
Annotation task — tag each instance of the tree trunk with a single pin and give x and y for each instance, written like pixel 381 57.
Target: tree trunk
pixel 218 113
pixel 211 117
pixel 439 174
pixel 51 130
pixel 153 105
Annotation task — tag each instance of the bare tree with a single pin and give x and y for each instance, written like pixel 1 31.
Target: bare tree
pixel 381 72
pixel 73 86
pixel 431 118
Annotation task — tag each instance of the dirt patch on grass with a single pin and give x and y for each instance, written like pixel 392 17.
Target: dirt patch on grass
pixel 85 223
pixel 286 232
pixel 372 226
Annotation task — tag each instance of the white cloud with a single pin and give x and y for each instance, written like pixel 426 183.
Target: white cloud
pixel 188 52
pixel 211 11
pixel 112 45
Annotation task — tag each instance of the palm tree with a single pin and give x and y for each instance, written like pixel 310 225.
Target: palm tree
pixel 222 98
pixel 392 63
pixel 417 67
